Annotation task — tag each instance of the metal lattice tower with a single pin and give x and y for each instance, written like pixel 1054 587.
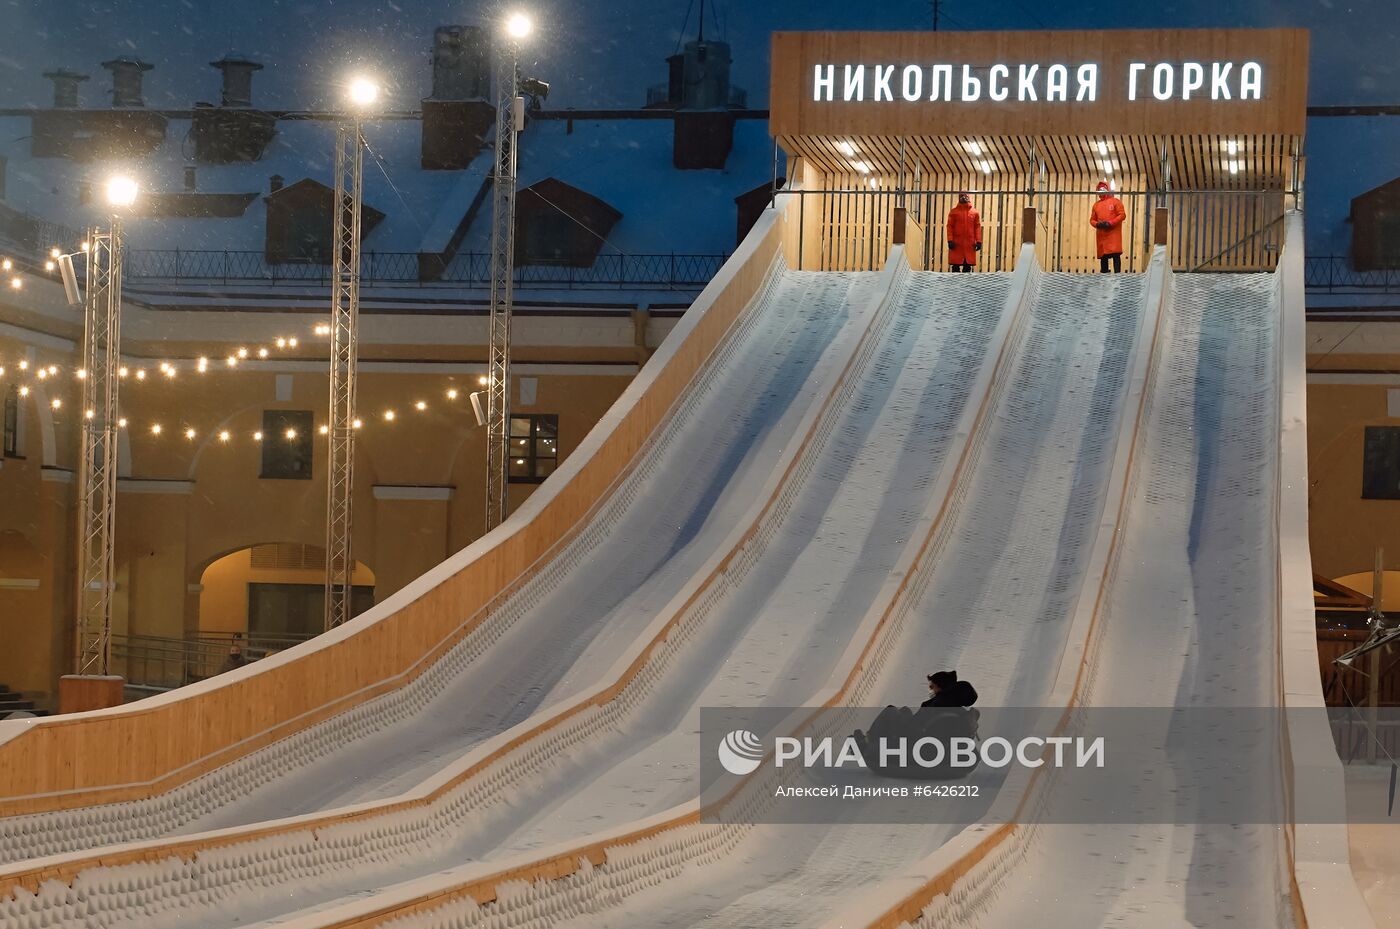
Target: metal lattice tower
pixel 97 480
pixel 502 283
pixel 345 337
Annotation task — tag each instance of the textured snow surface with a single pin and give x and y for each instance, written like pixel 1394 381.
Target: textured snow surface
pixel 1189 621
pixel 995 603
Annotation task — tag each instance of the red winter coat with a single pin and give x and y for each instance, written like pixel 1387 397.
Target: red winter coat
pixel 1110 210
pixel 964 230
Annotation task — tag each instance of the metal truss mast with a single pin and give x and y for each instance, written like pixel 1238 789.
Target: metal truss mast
pixel 345 337
pixel 97 472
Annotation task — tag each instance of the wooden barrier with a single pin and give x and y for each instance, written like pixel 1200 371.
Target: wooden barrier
pixel 78 693
pixel 147 748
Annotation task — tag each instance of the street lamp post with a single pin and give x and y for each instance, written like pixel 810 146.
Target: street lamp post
pixel 510 116
pixel 344 351
pixel 97 471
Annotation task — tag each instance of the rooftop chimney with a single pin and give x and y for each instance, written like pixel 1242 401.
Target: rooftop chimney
pixel 238 78
pixel 65 87
pixel 126 79
pixel 461 64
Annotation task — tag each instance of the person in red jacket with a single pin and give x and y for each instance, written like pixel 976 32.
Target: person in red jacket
pixel 1107 218
pixel 964 234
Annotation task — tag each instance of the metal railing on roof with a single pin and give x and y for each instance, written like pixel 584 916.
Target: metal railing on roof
pixel 668 272
pixel 1333 274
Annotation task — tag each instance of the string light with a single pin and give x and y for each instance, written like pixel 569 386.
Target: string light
pixel 155 429
pixel 292 342
pixel 54 252
pixel 262 353
pixel 140 374
pixel 81 373
pixel 49 266
pixel 122 371
pixel 223 435
pixel 202 365
pixel 451 394
pixel 121 423
pixel 356 423
pixel 16 283
pixel 242 353
pixel 257 436
pixel 325 430
pixel 24 366
pixel 56 403
pixel 24 391
pixel 291 434
pixel 481 380
pixel 89 414
pixel 189 433
pixel 7 264
pixel 281 343
pixel 389 415
pixel 421 406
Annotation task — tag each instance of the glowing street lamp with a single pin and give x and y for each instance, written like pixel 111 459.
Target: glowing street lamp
pixel 363 92
pixel 121 191
pixel 518 25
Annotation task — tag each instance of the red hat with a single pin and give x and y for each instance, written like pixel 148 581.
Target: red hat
pixel 1103 185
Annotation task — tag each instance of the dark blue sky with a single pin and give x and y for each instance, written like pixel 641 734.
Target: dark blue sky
pixel 606 52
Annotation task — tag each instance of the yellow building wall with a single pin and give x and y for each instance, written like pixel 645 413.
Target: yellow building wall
pixel 1346 529
pixel 223 597
pixel 183 504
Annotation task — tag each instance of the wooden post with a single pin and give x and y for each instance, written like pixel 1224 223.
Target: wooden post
pixel 80 692
pixel 1159 226
pixel 900 218
pixel 1028 226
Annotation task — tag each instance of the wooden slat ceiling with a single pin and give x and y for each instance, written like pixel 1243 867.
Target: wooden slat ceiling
pixel 1198 162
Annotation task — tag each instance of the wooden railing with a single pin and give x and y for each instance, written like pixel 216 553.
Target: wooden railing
pixel 88 758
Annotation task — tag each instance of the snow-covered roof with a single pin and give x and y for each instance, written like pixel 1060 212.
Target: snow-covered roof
pixel 625 162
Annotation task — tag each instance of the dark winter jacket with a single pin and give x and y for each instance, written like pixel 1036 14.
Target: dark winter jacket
pixel 959 693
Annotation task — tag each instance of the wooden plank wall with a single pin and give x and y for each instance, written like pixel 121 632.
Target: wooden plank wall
pixel 1282 108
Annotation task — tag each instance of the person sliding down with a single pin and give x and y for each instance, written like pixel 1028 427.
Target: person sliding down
pixel 964 234
pixel 947 690
pixel 1107 218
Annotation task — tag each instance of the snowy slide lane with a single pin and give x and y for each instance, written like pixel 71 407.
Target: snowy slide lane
pixel 994 605
pixel 775 640
pixel 657 527
pixel 1189 621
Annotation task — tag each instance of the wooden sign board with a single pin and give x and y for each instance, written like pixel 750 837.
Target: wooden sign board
pixel 1217 82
